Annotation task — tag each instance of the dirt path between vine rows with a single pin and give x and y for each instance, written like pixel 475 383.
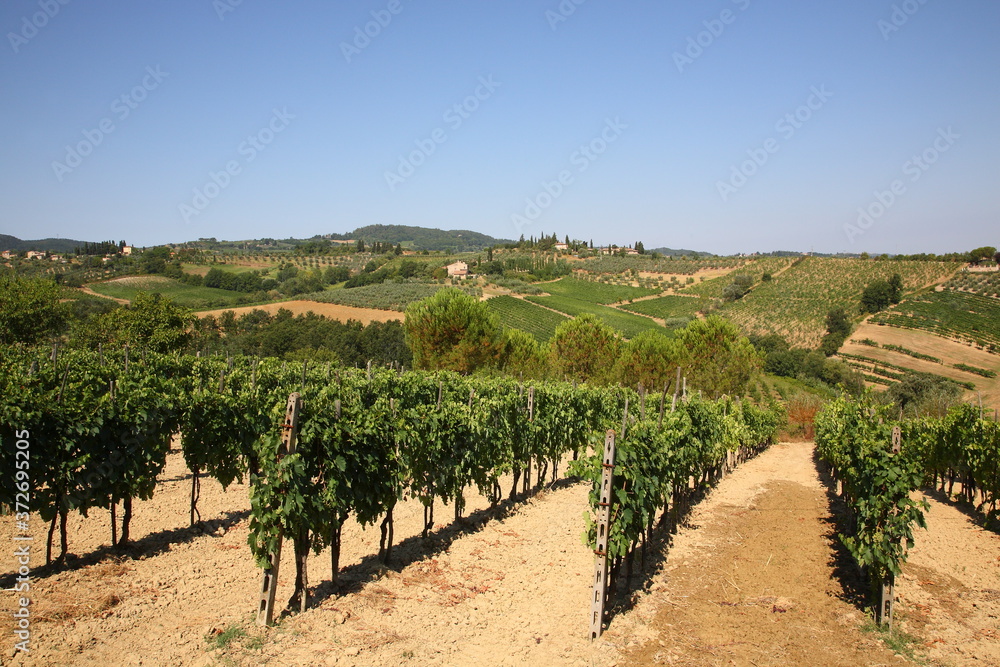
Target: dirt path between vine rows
pixel 753 580
pixel 760 579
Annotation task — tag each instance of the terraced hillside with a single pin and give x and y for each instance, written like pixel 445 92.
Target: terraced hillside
pixel 610 264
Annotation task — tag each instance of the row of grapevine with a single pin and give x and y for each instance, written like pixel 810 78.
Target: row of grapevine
pixel 664 461
pixel 101 426
pixel 877 480
pixel 100 429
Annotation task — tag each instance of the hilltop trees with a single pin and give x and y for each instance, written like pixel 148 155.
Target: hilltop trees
pixel 986 252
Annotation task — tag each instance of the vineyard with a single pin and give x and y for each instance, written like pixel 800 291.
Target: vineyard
pixel 755 268
pixel 627 324
pixel 101 425
pixel 967 317
pixel 596 292
pixel 669 306
pixel 879 462
pixel 619 265
pixel 384 296
pixel 796 302
pixel 975 282
pixel 520 314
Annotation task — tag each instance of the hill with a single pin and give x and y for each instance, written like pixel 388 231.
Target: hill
pixel 8 242
pixel 680 252
pixel 422 238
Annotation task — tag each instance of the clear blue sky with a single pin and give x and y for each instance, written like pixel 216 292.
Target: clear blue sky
pixel 667 123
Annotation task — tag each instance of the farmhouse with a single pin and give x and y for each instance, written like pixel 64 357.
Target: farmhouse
pixel 34 254
pixel 7 254
pixel 458 270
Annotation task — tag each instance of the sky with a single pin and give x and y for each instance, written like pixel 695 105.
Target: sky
pixel 725 126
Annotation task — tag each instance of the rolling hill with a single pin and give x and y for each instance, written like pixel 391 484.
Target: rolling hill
pixel 422 238
pixel 8 242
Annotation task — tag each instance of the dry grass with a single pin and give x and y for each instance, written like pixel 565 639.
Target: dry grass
pixel 802 416
pixel 95 592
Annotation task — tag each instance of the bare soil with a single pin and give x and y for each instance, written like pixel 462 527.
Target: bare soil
pixel 330 310
pixel 756 578
pixel 947 350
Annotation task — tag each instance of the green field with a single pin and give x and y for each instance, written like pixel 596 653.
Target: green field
pixel 595 292
pixel 668 306
pixel 519 314
pixel 183 295
pixel 628 324
pixel 968 317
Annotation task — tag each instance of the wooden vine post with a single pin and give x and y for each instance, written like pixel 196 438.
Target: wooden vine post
pixel 883 613
pixel 531 418
pixel 269 584
pixel 597 609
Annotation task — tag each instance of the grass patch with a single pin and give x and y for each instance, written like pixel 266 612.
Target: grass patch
pixel 223 638
pixel 896 640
